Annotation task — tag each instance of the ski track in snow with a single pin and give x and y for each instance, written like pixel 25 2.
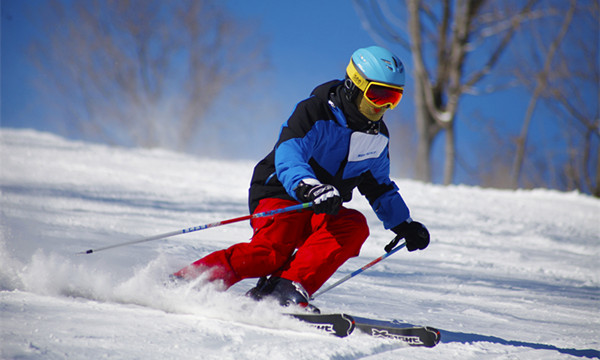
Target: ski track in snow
pixel 508 274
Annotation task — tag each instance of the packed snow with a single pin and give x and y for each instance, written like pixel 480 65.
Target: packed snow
pixel 508 274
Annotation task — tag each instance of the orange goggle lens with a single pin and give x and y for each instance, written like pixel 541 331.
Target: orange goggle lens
pixel 380 96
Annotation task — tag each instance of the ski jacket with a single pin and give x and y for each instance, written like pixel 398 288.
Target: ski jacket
pixel 320 141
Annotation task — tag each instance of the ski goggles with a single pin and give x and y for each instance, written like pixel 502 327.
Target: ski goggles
pixel 376 93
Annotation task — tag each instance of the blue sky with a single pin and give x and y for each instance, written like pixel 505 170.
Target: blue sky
pixel 309 42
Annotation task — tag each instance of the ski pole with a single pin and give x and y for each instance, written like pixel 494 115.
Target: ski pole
pixel 358 271
pixel 206 226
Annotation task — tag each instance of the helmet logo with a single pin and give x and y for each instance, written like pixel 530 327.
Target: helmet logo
pixel 357 79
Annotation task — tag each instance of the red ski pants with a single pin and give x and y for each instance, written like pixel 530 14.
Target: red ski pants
pixel 323 243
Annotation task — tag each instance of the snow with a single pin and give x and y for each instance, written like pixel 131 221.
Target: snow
pixel 508 275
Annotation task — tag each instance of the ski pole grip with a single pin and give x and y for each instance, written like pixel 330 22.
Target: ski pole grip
pixel 389 247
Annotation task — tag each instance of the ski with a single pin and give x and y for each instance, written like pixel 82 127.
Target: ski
pixel 343 325
pixel 414 335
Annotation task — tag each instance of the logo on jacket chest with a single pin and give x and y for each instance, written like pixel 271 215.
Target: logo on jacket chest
pixel 366 146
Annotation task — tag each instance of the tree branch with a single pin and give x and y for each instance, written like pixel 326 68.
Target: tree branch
pixel 495 56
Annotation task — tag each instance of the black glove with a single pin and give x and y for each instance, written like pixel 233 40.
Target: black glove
pixel 326 198
pixel 415 234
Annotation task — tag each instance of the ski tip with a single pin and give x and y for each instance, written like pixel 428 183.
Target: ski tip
pixel 351 322
pixel 340 325
pixel 437 335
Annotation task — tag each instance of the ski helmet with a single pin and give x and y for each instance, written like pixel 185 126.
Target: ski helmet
pixel 377 68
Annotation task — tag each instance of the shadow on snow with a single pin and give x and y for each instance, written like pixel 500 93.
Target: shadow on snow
pixel 451 336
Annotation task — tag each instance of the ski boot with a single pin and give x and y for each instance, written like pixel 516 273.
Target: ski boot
pixel 287 292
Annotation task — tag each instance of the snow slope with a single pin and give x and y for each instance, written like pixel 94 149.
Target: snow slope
pixel 508 275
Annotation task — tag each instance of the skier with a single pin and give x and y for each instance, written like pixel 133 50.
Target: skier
pixel 333 142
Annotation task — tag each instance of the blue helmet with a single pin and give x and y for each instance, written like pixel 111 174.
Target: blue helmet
pixel 373 64
pixel 377 64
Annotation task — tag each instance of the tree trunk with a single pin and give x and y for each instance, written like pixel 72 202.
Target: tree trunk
pixel 450 160
pixel 423 164
pixel 522 140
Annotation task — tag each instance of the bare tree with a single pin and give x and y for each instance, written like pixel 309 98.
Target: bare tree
pixel 574 94
pixel 541 83
pixel 141 72
pixel 442 37
pixel 562 54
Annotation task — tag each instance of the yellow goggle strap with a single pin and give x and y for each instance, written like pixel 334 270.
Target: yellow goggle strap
pixel 363 84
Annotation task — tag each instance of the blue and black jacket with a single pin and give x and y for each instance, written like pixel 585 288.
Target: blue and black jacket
pixel 328 139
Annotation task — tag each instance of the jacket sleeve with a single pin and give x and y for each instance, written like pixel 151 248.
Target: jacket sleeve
pixel 383 195
pixel 294 149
